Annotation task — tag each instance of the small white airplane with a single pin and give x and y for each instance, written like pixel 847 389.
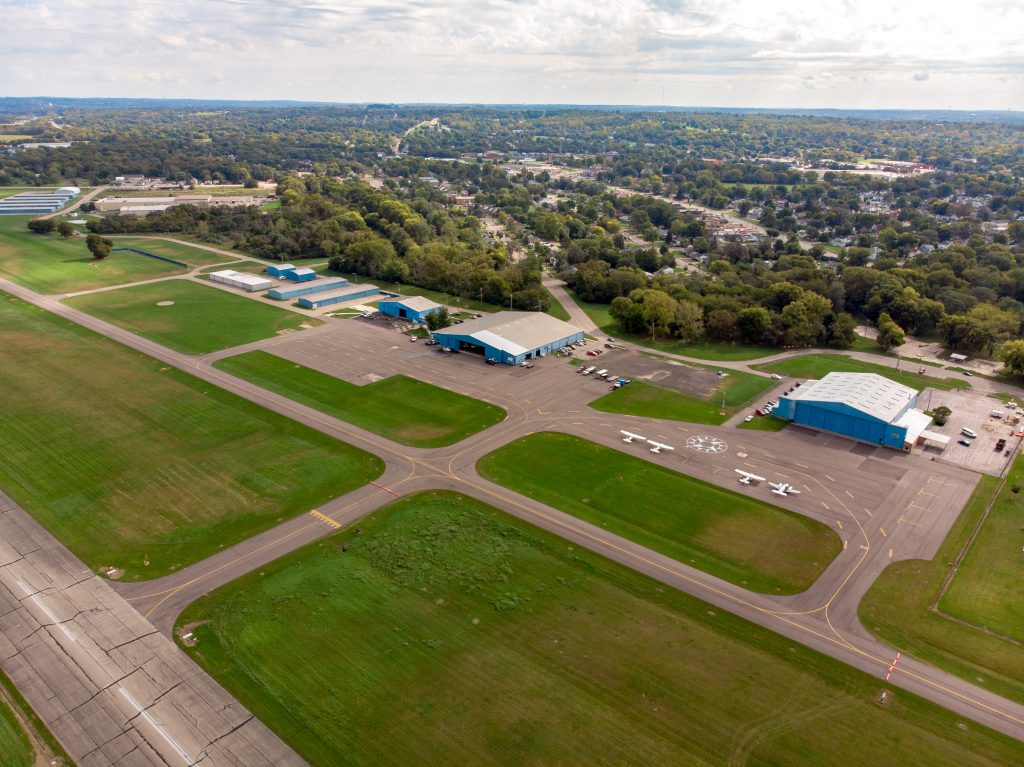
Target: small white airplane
pixel 630 436
pixel 782 488
pixel 658 447
pixel 746 478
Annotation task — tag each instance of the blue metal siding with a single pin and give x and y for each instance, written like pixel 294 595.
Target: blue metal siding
pixel 394 309
pixel 842 419
pixel 451 340
pixel 282 294
pixel 280 270
pixel 312 302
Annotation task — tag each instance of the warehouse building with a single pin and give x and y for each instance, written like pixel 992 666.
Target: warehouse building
pixel 302 274
pixel 412 308
pixel 247 282
pixel 862 406
pixel 38 202
pixel 306 288
pixel 339 296
pixel 280 270
pixel 510 337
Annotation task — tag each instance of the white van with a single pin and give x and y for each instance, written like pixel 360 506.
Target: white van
pixel 996 414
pixel 968 433
pixel 601 373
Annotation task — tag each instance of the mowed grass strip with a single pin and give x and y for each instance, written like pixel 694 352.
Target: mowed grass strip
pixel 731 536
pixel 54 264
pixel 126 461
pixel 403 409
pixel 986 588
pixel 15 748
pixel 818 365
pixel 446 633
pixel 653 401
pixel 201 319
pixel 898 607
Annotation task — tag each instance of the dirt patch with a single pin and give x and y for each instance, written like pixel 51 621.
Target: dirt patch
pixel 165 303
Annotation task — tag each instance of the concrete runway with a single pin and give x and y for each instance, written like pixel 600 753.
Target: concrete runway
pixel 112 689
pixel 884 505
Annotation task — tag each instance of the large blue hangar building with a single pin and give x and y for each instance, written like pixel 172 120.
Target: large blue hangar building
pixel 412 308
pixel 510 337
pixel 862 406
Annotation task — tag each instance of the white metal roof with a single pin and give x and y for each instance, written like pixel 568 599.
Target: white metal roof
pixel 873 394
pixel 516 332
pixel 244 277
pixel 916 422
pixel 417 303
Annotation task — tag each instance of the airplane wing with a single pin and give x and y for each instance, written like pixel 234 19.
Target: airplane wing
pixel 748 475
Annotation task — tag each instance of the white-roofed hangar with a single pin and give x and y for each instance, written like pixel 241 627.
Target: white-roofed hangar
pixel 862 406
pixel 510 337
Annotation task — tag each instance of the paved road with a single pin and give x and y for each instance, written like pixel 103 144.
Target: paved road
pixel 77 203
pixel 885 506
pixel 112 689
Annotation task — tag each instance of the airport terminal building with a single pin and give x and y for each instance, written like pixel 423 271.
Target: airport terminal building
pixel 862 406
pixel 510 337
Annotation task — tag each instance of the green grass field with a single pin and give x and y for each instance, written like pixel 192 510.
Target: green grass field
pixel 818 365
pixel 202 319
pixel 53 264
pixel 742 540
pixel 986 589
pixel 653 401
pixel 897 608
pixel 250 267
pixel 705 350
pixel 449 634
pixel 125 460
pixel 764 423
pixel 400 408
pixel 15 748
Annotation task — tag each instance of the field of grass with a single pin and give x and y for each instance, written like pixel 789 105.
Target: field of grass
pixel 653 401
pixel 53 264
pixel 897 609
pixel 731 536
pixel 986 589
pixel 202 319
pixel 15 748
pixel 447 633
pixel 817 365
pixel 128 462
pixel 400 408
pixel 705 350
pixel 556 310
pixel 251 267
pixel 39 736
pixel 764 423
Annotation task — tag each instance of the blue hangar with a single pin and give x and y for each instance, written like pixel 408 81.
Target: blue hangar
pixel 412 308
pixel 510 337
pixel 862 406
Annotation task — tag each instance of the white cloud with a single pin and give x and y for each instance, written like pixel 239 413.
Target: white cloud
pixel 916 53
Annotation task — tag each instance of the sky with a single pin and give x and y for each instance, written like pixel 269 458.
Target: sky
pixel 888 54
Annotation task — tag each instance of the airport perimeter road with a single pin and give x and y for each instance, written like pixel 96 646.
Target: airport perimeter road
pixel 884 505
pixel 113 690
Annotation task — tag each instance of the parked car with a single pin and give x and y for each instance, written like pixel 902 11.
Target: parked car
pixel 968 432
pixel 776 376
pixel 963 442
pixel 748 419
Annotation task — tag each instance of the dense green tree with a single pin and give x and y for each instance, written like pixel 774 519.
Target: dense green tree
pixel 890 335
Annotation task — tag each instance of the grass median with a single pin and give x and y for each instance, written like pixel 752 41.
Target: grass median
pixel 728 535
pixel 403 409
pixel 818 365
pixel 444 632
pixel 897 608
pixel 135 465
pixel 190 317
pixel 53 264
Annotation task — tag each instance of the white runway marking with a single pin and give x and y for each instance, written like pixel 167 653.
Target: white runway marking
pixel 49 613
pixel 156 726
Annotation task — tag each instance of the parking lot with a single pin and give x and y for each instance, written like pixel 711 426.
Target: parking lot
pixel 973 410
pixel 626 363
